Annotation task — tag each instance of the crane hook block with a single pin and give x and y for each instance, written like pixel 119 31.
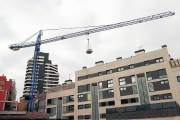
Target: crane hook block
pixel 89 51
pixel 15 49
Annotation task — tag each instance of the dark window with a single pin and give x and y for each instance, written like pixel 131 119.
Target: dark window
pixel 162 73
pixel 103 115
pixel 156 97
pixel 49 101
pixel 167 96
pixel 87 76
pixel 87 105
pixel 178 78
pixel 146 63
pixel 80 89
pixel 71 108
pixel 49 110
pixel 88 87
pixel 120 69
pixel 164 82
pixel 124 101
pixel 87 116
pixel 108 71
pixel 110 91
pixel 133 100
pixel 159 60
pixel 131 66
pixel 149 76
pixel 99 74
pixel 71 118
pixel 80 78
pixel 71 98
pixel 103 104
pixel 111 103
pixel 80 106
pixel 80 117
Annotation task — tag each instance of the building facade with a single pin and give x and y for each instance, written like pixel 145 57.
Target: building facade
pixel 146 79
pixel 7 94
pixel 47 77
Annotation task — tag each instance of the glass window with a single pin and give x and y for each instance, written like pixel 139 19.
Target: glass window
pixel 156 97
pixel 110 83
pixel 55 101
pixel 122 88
pixel 64 109
pixel 87 116
pixel 120 69
pixel 134 88
pixel 88 96
pixel 124 101
pixel 108 71
pixel 87 105
pixel 111 103
pixel 103 104
pixel 100 85
pixel 151 87
pixel 80 96
pixel 71 108
pixel 100 94
pixel 87 76
pixel 167 96
pixel 110 91
pixel 159 60
pixel 53 110
pixel 80 106
pixel 133 100
pixel 103 115
pixel 162 82
pixel 131 66
pixel 149 76
pixel 133 79
pixel 122 81
pixel 99 74
pixel 178 78
pixel 80 117
pixel 166 81
pixel 65 99
pixel 71 98
pixel 80 89
pixel 146 63
pixel 88 87
pixel 80 78
pixel 162 73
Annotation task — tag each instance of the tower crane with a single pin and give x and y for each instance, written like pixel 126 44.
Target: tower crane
pixel 39 42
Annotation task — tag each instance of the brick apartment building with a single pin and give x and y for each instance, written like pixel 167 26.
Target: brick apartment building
pixel 145 85
pixel 7 94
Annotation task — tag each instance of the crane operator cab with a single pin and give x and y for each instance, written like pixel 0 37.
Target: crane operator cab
pixel 89 49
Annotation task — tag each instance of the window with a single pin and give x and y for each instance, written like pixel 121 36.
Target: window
pixel 151 87
pixel 53 110
pixel 156 97
pixel 103 115
pixel 80 78
pixel 49 101
pixel 108 71
pixel 80 106
pixel 110 103
pixel 149 76
pixel 122 88
pixel 110 83
pixel 88 96
pixel 87 105
pixel 146 63
pixel 71 108
pixel 134 88
pixel 131 66
pixel 100 94
pixel 110 91
pixel 120 69
pixel 159 60
pixel 100 85
pixel 178 78
pixel 122 81
pixel 103 104
pixel 162 73
pixel 133 100
pixel 124 101
pixel 64 109
pixel 164 82
pixel 133 79
pixel 167 96
pixel 55 101
pixel 99 74
pixel 80 96
pixel 87 116
pixel 80 117
pixel 88 87
pixel 65 99
pixel 87 76
pixel 71 98
pixel 80 89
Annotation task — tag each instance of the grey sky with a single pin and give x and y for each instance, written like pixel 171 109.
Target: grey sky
pixel 19 19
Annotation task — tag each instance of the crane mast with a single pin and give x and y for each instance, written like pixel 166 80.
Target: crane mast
pixel 38 42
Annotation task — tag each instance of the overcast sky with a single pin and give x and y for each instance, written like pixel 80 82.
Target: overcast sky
pixel 19 19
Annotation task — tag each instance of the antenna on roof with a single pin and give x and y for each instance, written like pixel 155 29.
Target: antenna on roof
pixel 140 47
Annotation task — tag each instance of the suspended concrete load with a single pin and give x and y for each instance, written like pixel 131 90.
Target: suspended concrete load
pixel 89 49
